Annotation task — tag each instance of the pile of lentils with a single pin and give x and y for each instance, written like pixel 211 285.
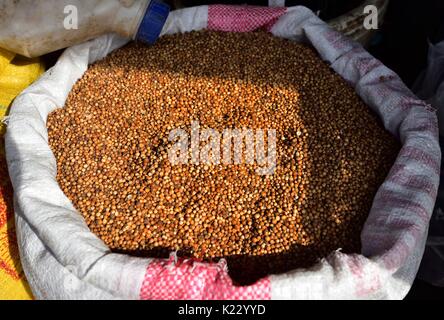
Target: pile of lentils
pixel 111 145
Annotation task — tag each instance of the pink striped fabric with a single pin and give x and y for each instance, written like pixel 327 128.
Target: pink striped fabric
pixel 242 18
pixel 192 280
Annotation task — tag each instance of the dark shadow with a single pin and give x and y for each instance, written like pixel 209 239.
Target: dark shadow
pixel 422 290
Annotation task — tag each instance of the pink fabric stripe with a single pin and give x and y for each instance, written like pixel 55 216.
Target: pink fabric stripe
pixel 424 158
pixel 391 199
pixel 367 64
pixel 337 40
pixel 426 125
pixel 192 280
pixel 242 18
pixel 409 102
pixel 399 252
pixel 400 175
pixel 396 245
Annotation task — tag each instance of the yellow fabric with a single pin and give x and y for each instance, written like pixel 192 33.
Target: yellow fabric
pixel 13 284
pixel 5 58
pixel 16 73
pixel 15 76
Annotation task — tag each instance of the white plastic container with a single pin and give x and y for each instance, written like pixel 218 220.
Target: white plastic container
pixel 32 28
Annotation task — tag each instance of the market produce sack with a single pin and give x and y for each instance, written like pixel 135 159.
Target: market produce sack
pixel 63 259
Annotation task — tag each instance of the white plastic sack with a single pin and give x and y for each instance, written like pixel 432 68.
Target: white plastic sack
pixel 63 259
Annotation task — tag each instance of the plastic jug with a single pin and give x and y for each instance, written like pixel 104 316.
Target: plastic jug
pixel 32 28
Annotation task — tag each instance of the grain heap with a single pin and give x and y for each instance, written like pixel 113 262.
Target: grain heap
pixel 111 145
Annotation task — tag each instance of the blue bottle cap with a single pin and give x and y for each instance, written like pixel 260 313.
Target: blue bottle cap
pixel 153 21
